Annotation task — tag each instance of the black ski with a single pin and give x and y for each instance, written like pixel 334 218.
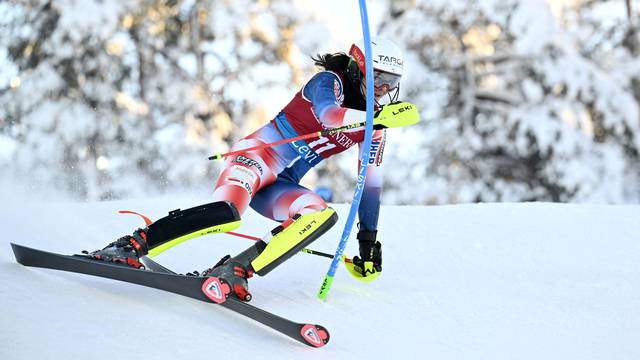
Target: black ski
pixel 164 279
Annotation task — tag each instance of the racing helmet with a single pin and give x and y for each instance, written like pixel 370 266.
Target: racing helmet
pixel 387 66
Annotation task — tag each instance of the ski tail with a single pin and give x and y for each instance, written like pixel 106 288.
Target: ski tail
pixel 315 335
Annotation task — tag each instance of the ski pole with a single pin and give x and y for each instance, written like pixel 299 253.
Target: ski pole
pixel 330 256
pixel 312 135
pixel 305 250
pixel 364 157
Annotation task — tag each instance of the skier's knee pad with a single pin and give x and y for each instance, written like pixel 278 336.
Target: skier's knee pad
pixel 290 237
pixel 182 225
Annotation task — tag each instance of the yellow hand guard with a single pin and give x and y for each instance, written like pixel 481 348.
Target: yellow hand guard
pixel 396 114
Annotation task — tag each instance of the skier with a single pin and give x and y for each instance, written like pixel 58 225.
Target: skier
pixel 268 179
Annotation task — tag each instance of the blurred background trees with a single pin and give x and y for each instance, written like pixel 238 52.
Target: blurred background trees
pixel 108 99
pixel 522 100
pixel 525 101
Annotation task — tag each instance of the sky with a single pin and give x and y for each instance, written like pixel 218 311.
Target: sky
pixel 344 24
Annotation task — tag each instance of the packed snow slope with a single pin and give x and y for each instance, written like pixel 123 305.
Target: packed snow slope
pixel 485 281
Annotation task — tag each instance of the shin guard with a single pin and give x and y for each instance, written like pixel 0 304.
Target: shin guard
pixel 182 225
pixel 292 236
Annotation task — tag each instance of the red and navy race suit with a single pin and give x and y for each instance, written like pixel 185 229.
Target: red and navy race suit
pixel 268 179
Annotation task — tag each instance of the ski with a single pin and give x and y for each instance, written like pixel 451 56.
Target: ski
pixel 194 287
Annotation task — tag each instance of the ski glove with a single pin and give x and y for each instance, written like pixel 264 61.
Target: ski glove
pixel 370 260
pixel 397 114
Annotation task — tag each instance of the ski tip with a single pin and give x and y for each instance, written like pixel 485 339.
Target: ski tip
pixel 315 335
pixel 17 253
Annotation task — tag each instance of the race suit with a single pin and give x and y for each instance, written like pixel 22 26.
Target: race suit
pixel 269 179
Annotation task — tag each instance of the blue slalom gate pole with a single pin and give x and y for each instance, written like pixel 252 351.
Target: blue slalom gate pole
pixel 364 157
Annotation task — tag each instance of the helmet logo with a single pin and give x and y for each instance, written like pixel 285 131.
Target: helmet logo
pixel 358 57
pixel 390 60
pixel 384 62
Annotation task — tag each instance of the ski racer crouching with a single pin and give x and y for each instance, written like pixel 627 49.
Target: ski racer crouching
pixel 268 179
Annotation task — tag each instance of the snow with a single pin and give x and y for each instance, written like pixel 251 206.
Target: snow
pixel 482 281
pixel 535 24
pixel 9 69
pixel 78 17
pixel 7 148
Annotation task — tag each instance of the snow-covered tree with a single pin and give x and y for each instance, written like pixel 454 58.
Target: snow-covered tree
pixel 515 109
pixel 522 100
pixel 110 99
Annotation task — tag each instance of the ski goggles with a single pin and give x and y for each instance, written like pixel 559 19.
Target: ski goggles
pixel 385 81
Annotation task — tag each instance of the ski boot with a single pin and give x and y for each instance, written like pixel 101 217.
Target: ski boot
pixel 230 274
pixel 369 263
pixel 169 231
pixel 126 250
